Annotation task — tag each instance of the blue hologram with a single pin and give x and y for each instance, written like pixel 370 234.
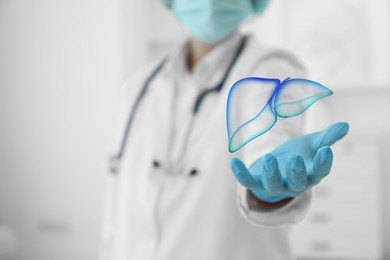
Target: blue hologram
pixel 288 98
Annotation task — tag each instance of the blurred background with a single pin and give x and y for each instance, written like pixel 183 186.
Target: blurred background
pixel 62 64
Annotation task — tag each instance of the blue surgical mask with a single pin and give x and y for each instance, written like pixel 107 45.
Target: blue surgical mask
pixel 212 20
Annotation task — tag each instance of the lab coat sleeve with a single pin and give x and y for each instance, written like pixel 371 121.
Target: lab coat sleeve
pixel 276 65
pixel 108 221
pixel 291 213
pixel 128 93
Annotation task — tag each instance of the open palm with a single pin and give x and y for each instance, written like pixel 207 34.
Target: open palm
pixel 293 167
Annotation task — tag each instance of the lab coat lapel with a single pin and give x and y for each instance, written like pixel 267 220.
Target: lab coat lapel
pixel 210 122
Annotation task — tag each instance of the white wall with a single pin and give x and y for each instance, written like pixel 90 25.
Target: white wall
pixel 150 32
pixel 341 42
pixel 61 65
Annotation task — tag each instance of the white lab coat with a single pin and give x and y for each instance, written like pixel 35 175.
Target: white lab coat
pixel 157 212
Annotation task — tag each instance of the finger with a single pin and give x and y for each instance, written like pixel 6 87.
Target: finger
pixel 242 174
pixel 296 176
pixel 331 135
pixel 270 175
pixel 322 164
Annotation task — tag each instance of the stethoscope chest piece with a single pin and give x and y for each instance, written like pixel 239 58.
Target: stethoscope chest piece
pixel 114 163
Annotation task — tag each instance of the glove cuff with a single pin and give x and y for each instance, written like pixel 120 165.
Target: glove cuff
pixel 268 198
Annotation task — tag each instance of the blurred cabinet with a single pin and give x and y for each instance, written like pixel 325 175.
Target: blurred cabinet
pixel 344 221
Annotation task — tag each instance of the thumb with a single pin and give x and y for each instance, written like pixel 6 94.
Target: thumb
pixel 242 173
pixel 330 135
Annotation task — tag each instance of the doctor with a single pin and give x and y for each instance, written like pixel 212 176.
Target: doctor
pixel 173 195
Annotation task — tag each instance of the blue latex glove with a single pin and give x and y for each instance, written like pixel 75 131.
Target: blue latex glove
pixel 293 167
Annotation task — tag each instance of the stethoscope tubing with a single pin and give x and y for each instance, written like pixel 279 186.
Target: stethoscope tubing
pixel 115 160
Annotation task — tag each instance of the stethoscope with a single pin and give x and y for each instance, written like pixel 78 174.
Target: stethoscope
pixel 115 160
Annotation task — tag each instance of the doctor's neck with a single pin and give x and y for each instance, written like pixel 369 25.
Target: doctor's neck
pixel 196 51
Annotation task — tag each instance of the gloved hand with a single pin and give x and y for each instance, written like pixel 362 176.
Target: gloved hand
pixel 291 168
